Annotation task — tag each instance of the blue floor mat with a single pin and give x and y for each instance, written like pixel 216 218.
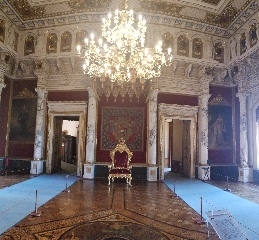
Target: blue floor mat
pixel 213 198
pixel 18 201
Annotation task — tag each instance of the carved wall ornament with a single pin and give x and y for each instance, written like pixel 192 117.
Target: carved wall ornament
pixel 67 107
pixel 183 46
pixel 29 45
pixel 257 114
pixel 219 100
pixel 219 52
pixel 2 30
pixel 137 89
pixel 66 42
pixel 233 49
pixel 174 110
pixel 197 48
pixel 16 39
pixel 25 93
pixel 52 43
pixel 10 39
pixel 39 46
pixel 253 35
pixel 243 46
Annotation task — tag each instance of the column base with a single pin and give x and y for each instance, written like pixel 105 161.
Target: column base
pixel 204 173
pixel 152 174
pixel 88 171
pixel 245 174
pixel 36 167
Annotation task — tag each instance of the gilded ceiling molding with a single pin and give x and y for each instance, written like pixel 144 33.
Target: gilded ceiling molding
pixel 161 7
pixel 25 10
pixel 84 5
pixel 224 19
pixel 212 2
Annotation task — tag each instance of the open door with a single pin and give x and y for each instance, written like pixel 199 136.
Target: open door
pixel 57 142
pixel 186 147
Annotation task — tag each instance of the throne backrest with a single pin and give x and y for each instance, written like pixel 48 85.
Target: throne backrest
pixel 121 155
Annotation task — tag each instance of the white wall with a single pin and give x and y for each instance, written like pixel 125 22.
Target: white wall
pixel 70 127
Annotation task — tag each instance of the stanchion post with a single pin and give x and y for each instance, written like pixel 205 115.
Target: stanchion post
pixel 201 220
pixel 35 213
pixel 175 191
pixel 227 189
pixel 66 190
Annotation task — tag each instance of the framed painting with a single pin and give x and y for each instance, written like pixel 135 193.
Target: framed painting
pixel 220 132
pixel 23 119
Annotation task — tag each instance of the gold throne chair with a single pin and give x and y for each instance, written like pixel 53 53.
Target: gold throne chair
pixel 120 167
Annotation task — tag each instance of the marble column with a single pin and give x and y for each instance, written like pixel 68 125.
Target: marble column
pixel 3 69
pixel 91 135
pixel 203 167
pixel 152 136
pixel 37 163
pixel 245 173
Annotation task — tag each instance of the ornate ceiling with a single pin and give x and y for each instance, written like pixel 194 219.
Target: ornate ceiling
pixel 218 17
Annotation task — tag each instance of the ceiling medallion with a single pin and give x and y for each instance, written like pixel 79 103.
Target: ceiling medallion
pixel 120 55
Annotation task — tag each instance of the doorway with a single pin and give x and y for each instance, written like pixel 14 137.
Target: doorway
pixel 65 144
pixel 177 144
pixel 177 140
pixel 72 153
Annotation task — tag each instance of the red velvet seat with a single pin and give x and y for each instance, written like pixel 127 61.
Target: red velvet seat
pixel 120 167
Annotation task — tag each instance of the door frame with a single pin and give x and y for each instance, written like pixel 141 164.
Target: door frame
pixel 67 109
pixel 180 112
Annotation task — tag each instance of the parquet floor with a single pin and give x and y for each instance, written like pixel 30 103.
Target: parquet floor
pixel 93 210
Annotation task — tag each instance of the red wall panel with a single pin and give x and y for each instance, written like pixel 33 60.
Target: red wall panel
pixel 21 150
pixel 177 99
pixel 68 96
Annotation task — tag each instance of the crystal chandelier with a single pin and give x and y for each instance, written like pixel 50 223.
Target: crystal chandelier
pixel 120 54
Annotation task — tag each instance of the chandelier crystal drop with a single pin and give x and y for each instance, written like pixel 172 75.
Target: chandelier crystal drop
pixel 120 54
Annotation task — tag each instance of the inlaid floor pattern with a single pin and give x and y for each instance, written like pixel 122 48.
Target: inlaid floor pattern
pixel 93 210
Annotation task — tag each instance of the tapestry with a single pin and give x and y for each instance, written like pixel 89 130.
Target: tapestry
pixel 126 123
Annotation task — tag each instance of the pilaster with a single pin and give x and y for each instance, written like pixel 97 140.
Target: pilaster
pixel 40 123
pixel 245 171
pixel 203 136
pixel 152 135
pixel 37 163
pixel 91 135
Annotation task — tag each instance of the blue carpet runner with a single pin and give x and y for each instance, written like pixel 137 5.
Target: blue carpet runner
pixel 244 211
pixel 18 201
